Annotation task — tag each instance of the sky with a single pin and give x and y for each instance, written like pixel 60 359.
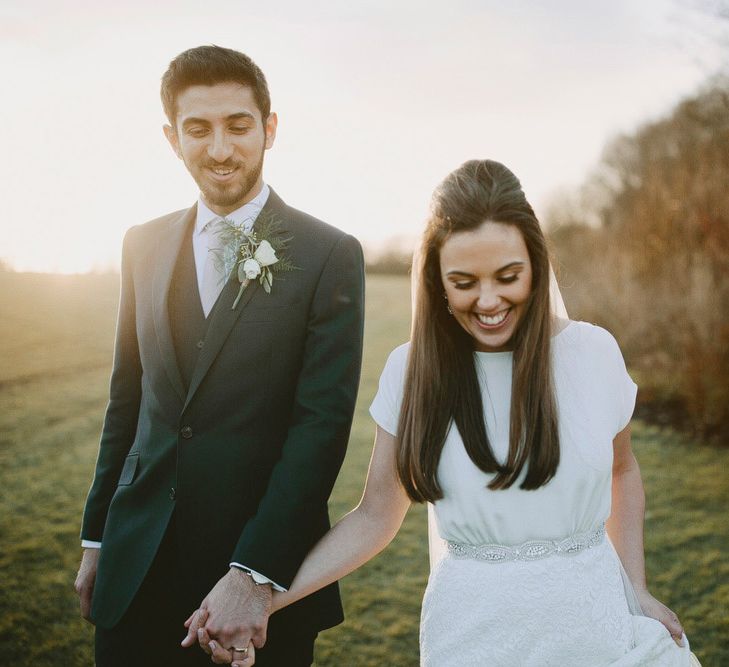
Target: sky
pixel 377 101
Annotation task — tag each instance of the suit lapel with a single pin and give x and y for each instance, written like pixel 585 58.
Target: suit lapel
pixel 166 253
pixel 223 317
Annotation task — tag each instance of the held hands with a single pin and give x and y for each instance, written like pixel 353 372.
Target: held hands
pixel 233 615
pixel 237 656
pixel 655 609
pixel 85 580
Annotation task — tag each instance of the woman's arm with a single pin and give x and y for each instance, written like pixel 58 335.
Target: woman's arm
pixel 625 528
pixel 359 535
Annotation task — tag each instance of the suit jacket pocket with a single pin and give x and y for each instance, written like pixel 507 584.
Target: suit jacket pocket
pixel 130 467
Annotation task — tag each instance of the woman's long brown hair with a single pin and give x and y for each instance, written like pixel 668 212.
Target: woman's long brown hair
pixel 441 383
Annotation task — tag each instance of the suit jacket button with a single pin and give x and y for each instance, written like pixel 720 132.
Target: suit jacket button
pixel 199 344
pixel 172 493
pixel 186 432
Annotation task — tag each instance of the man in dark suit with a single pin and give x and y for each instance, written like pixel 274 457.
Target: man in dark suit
pixel 231 400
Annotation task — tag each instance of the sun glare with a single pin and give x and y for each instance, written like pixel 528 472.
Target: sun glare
pixel 69 259
pixel 363 138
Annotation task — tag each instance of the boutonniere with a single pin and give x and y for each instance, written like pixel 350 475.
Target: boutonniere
pixel 258 253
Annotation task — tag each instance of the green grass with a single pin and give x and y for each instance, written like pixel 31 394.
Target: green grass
pixel 55 356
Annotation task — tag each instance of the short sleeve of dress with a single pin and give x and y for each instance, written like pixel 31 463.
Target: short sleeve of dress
pixel 385 408
pixel 621 386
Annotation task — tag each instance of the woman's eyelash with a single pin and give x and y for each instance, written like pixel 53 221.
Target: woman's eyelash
pixel 470 283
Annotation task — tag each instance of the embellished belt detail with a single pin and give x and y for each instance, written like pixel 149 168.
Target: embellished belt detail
pixel 532 550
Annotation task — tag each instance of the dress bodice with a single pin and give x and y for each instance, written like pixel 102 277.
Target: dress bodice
pixel 595 398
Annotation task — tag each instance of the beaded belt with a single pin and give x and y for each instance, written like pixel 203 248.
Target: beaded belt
pixel 532 550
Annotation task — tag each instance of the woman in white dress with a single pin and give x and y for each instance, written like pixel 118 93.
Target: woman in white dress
pixel 515 425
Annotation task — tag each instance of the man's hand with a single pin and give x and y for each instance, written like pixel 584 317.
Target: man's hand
pixel 234 613
pixel 85 580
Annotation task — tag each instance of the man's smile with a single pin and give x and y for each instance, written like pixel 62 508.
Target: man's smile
pixel 221 174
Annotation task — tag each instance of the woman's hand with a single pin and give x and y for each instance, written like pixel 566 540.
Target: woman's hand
pixel 655 609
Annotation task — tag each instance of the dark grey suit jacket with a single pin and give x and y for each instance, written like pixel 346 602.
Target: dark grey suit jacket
pixel 247 456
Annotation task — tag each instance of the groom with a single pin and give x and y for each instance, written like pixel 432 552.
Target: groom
pixel 230 401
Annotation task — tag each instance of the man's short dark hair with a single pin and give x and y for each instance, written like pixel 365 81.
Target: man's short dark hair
pixel 207 66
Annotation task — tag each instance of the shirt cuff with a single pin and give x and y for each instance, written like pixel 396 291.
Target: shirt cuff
pixel 90 544
pixel 259 578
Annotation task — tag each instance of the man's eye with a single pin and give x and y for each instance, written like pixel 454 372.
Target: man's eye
pixel 239 129
pixel 197 132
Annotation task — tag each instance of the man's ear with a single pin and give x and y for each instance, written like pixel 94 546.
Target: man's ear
pixel 171 135
pixel 271 125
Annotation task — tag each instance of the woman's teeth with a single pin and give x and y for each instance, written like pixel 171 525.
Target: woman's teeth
pixel 492 320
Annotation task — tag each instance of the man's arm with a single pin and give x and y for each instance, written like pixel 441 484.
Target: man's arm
pixel 276 540
pixel 120 423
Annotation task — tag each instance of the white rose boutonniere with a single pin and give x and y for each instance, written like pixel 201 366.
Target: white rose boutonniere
pixel 265 255
pixel 251 268
pixel 256 253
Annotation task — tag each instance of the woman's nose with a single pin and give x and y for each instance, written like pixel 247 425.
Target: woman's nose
pixel 488 299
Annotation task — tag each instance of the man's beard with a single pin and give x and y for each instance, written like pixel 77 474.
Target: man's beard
pixel 226 196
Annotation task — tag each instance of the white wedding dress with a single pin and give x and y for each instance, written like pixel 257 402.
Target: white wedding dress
pixel 484 605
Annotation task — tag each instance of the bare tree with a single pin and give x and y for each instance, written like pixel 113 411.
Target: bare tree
pixel 656 268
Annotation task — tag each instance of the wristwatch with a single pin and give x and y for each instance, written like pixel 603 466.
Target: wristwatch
pixel 258 579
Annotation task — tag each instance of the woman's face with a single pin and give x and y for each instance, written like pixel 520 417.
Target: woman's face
pixel 487 278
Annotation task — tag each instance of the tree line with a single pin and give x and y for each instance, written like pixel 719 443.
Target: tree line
pixel 643 249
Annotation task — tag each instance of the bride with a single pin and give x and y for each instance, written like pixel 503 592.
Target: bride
pixel 514 424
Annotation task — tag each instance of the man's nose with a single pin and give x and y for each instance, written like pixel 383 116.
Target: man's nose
pixel 220 148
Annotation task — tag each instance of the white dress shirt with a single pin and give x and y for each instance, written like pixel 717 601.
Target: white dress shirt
pixel 246 215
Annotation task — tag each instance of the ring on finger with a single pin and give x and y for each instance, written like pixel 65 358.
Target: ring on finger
pixel 235 649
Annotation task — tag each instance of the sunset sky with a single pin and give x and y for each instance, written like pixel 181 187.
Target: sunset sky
pixel 377 101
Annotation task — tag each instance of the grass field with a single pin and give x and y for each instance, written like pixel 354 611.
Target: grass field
pixel 55 353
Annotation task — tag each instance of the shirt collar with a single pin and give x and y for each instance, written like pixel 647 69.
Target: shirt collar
pixel 244 216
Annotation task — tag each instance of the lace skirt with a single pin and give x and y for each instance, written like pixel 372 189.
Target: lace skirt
pixel 562 610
